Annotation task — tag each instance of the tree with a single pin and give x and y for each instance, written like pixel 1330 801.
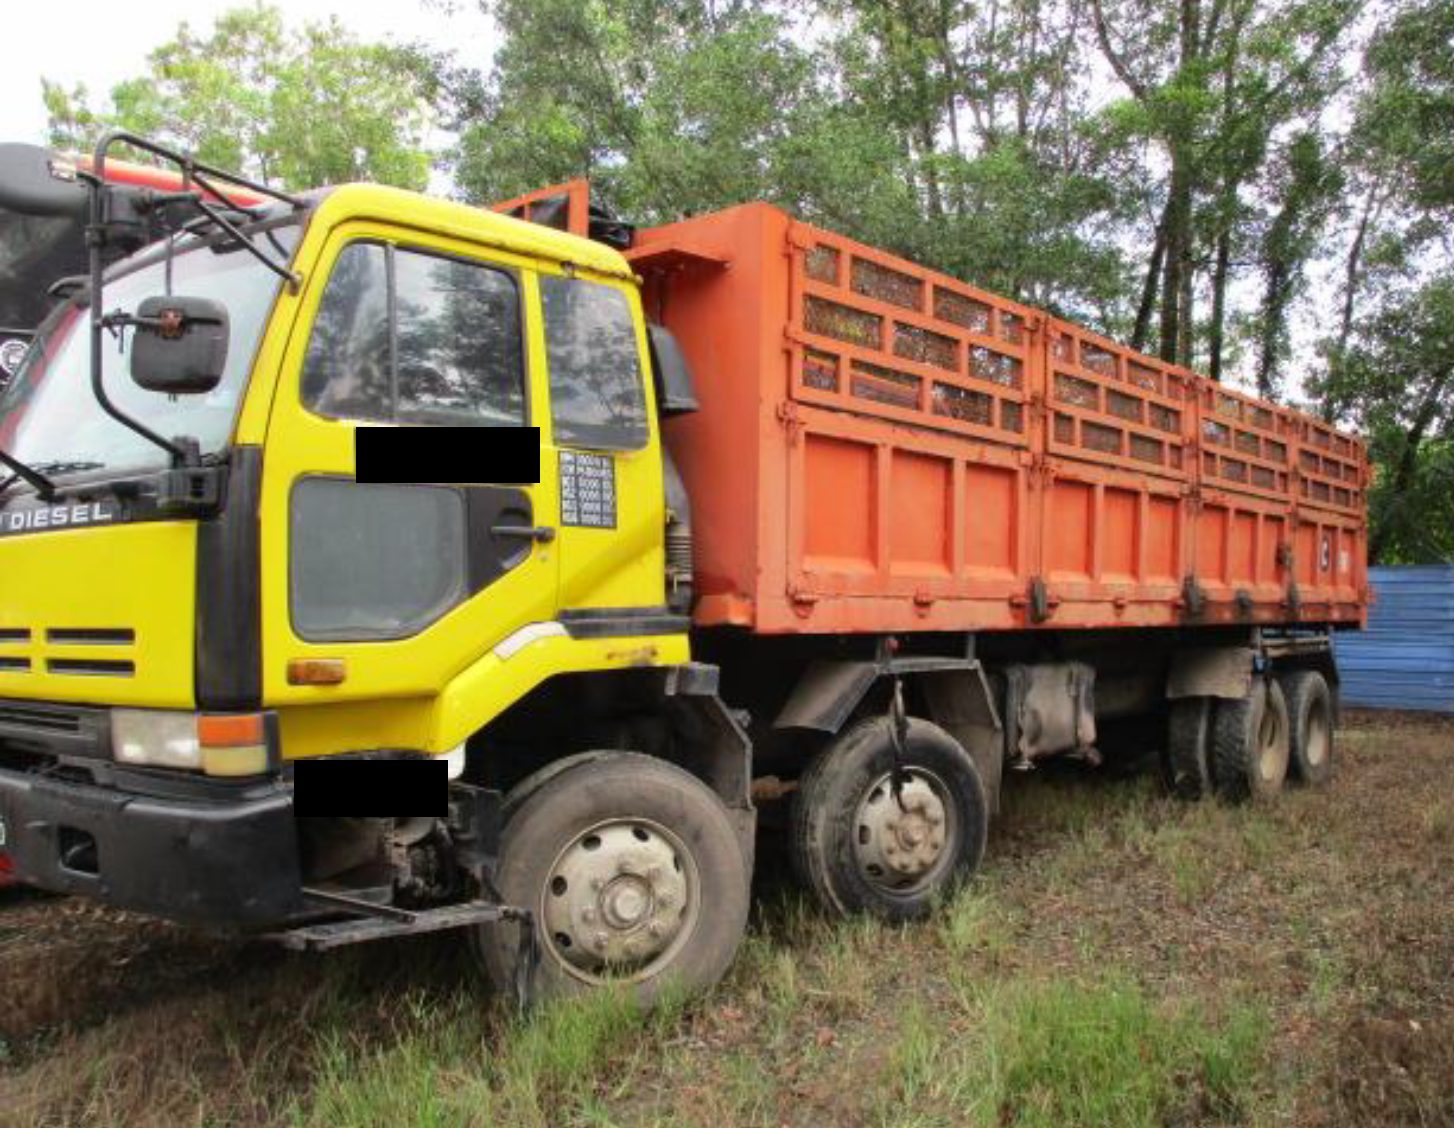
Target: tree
pixel 295 108
pixel 1397 381
pixel 1211 85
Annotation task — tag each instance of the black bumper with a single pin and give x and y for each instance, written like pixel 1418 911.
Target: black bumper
pixel 229 863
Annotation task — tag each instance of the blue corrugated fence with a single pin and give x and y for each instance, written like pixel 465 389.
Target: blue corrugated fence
pixel 1405 659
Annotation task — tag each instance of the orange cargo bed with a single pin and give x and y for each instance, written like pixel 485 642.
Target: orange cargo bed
pixel 884 448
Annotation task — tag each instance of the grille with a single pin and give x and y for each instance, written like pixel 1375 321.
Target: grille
pixel 43 719
pixel 26 649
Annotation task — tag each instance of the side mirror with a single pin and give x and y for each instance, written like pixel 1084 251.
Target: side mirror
pixel 676 394
pixel 180 345
pixel 34 182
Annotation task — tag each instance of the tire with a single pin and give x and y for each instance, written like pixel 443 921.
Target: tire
pixel 849 833
pixel 634 875
pixel 1250 744
pixel 1188 765
pixel 1310 710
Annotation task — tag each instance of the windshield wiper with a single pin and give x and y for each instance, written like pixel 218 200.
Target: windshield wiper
pixel 43 485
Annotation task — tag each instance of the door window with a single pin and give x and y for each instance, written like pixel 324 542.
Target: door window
pixel 407 337
pixel 596 398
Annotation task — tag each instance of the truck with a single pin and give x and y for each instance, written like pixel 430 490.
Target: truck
pixel 42 232
pixel 43 247
pixel 804 523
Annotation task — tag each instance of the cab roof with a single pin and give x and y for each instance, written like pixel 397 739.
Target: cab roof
pixel 479 225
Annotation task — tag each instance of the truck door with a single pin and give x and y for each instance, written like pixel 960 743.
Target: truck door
pixel 605 447
pixel 399 588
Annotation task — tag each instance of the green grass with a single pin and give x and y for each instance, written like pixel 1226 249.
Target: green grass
pixel 1055 1054
pixel 451 1065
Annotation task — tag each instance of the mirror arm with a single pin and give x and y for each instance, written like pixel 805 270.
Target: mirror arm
pixel 95 243
pixel 288 276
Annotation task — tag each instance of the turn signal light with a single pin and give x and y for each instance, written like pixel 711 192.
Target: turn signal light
pixel 317 671
pixel 233 744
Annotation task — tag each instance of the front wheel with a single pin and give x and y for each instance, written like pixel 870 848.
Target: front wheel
pixel 868 838
pixel 633 873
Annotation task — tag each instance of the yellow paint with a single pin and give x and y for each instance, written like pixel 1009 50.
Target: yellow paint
pixel 139 577
pixel 428 692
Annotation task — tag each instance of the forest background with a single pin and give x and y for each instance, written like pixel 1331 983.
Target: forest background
pixel 1259 189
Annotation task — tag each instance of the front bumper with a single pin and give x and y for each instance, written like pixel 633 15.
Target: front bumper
pixel 227 862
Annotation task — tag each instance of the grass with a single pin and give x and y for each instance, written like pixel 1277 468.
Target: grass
pixel 1123 959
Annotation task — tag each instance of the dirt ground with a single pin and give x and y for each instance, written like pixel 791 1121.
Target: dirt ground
pixel 1287 964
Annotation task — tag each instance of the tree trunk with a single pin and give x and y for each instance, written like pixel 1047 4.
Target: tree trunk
pixel 1216 332
pixel 1147 305
pixel 1178 247
pixel 1274 315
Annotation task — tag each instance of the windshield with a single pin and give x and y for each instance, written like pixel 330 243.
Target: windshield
pixel 50 420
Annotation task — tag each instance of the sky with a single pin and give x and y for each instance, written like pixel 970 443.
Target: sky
pixel 101 42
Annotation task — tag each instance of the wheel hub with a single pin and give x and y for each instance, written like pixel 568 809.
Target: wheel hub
pixel 618 899
pixel 900 840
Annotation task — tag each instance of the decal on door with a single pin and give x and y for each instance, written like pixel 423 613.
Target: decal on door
pixel 587 490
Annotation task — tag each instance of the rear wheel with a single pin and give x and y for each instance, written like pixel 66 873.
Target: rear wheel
pixel 1310 712
pixel 1188 755
pixel 866 842
pixel 1250 743
pixel 634 875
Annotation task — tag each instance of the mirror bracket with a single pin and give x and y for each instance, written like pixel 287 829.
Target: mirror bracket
pixel 192 490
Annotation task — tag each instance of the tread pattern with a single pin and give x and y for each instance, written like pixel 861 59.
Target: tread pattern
pixel 1234 741
pixel 820 832
pixel 1305 690
pixel 1188 755
pixel 556 802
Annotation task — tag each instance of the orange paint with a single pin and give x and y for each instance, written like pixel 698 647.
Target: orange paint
pixel 884 448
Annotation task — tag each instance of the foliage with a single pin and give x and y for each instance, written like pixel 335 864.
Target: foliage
pixel 1397 380
pixel 298 108
pixel 1261 189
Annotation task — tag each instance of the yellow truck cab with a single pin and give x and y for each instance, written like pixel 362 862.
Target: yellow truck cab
pixel 198 593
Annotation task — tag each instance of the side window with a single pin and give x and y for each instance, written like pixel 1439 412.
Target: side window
pixel 346 372
pixel 596 398
pixel 459 354
pixel 407 337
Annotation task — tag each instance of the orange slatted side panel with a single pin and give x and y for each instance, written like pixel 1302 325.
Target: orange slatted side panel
pixel 1246 443
pixel 874 334
pixel 882 448
pixel 1332 468
pixel 1113 406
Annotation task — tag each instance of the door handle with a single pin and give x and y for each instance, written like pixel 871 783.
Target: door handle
pixel 543 534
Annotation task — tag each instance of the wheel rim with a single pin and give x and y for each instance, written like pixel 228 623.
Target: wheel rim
pixel 619 901
pixel 1272 748
pixel 905 844
pixel 1319 736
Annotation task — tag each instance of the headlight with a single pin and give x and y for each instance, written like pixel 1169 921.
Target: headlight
pixel 155 738
pixel 229 744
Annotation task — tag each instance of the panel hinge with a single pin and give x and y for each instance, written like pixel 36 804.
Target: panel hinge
pixel 788 416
